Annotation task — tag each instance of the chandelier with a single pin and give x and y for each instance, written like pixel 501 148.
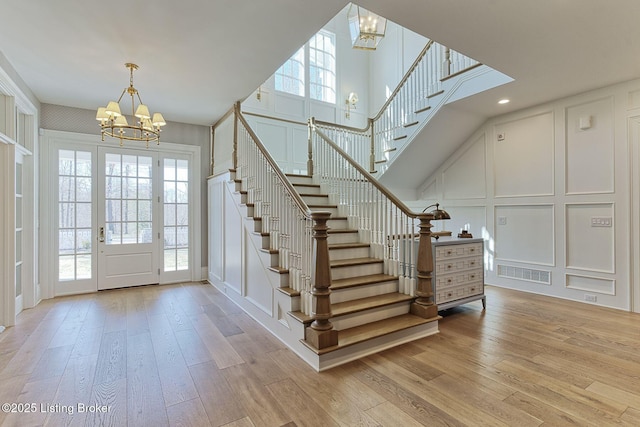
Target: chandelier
pixel 145 127
pixel 366 28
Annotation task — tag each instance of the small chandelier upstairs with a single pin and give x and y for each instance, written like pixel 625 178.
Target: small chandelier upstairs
pixel 114 124
pixel 366 28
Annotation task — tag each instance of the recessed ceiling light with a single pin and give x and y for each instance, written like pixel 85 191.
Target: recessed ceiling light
pixel 503 101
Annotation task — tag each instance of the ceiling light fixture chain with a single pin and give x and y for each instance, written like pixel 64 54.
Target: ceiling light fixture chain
pixel 114 124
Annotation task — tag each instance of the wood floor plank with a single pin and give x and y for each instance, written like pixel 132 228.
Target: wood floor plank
pixel 218 399
pixel 108 404
pixel 244 422
pixel 252 352
pixel 112 358
pixel 74 388
pixel 190 413
pixel 387 414
pixel 323 391
pixel 630 399
pixel 221 350
pixel 39 394
pixel 301 407
pixel 52 363
pixel 177 385
pixel 261 406
pixel 145 404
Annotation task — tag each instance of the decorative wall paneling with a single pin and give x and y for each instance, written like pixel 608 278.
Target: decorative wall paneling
pixel 562 199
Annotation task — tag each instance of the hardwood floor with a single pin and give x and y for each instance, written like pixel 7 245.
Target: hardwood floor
pixel 185 355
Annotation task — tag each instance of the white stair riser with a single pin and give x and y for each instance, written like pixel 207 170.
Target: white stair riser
pixel 300 179
pixel 336 254
pixel 315 200
pixel 338 224
pixel 307 189
pixel 356 270
pixel 370 315
pixel 343 238
pixel 332 210
pixel 363 291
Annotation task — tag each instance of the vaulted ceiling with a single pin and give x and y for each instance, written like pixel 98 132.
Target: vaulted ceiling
pixel 197 57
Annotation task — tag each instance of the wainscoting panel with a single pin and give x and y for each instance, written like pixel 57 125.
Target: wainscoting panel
pixel 466 177
pixel 590 242
pixel 525 233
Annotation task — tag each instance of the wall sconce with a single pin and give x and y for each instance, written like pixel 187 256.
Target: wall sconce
pixel 351 102
pixel 259 94
pixel 438 214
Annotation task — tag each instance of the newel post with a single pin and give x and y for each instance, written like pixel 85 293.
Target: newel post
pixel 236 112
pixel 372 148
pixel 424 305
pixel 320 334
pixel 311 123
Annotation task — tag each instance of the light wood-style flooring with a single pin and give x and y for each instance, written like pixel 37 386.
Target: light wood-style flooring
pixel 185 355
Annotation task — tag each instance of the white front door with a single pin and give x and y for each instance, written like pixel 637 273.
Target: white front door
pixel 128 212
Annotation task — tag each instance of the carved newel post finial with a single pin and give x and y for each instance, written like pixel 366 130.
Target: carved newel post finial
pixel 321 333
pixel 424 305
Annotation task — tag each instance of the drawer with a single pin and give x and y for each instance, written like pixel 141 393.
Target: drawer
pixel 458 292
pixel 455 251
pixel 449 280
pixel 452 265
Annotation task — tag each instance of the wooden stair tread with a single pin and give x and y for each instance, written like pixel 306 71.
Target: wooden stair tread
pixel 348 245
pixel 363 333
pixel 313 195
pixel 321 208
pixel 351 282
pixel 422 110
pixel 306 185
pixel 397 138
pixel 409 124
pixel 362 304
pixel 289 291
pixel 278 270
pixel 366 332
pixel 341 230
pixel 355 261
pixel 298 175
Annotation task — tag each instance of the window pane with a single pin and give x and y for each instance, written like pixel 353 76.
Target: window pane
pixel 169 169
pixel 66 162
pixel 169 192
pixel 131 210
pixel 170 214
pixel 182 259
pixel 182 215
pixel 83 163
pixel 144 232
pixel 114 233
pixel 66 189
pixel 182 192
pixel 169 237
pixel 66 241
pixel 182 170
pixel 113 188
pixel 112 165
pixel 83 241
pixel 67 267
pixel 144 188
pixel 144 167
pixel 169 260
pixel 144 210
pixel 130 189
pixel 83 215
pixel 83 267
pixel 83 189
pixel 114 211
pixel 129 165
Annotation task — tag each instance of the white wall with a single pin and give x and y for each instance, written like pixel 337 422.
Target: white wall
pixel 553 190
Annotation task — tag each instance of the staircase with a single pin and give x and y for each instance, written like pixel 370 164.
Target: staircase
pixel 368 311
pixel 365 303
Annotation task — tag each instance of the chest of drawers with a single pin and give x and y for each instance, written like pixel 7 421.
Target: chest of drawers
pixel 458 271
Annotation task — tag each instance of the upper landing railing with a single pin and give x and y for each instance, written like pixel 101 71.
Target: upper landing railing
pixel 372 145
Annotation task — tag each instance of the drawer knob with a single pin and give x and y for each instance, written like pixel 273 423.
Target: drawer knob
pixel 448 252
pixel 473 289
pixel 472 250
pixel 448 280
pixel 449 266
pixel 473 263
pixel 449 294
pixel 473 276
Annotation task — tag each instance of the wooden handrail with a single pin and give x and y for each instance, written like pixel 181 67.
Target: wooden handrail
pixel 404 79
pixel 281 176
pixel 384 190
pixel 278 119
